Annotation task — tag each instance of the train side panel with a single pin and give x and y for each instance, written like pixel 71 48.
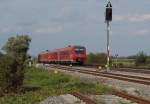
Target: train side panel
pixel 71 55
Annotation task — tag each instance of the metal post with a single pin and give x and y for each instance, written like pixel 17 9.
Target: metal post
pixel 116 56
pixel 108 47
pixel 108 19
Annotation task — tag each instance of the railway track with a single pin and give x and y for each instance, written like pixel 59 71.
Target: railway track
pixel 135 79
pixel 129 78
pixel 127 69
pixel 144 71
pixel 83 98
pixel 137 99
pixel 115 92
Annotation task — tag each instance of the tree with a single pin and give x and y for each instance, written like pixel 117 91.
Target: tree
pixel 1 54
pixel 101 58
pixel 97 58
pixel 90 58
pixel 141 58
pixel 8 69
pixel 18 45
pixel 16 51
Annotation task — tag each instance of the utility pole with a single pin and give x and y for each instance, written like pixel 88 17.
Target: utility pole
pixel 116 56
pixel 108 19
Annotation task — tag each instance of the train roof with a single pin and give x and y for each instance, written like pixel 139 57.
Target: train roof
pixel 68 47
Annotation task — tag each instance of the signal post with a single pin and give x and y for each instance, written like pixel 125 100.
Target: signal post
pixel 108 19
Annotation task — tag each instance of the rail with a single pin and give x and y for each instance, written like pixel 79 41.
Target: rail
pixel 83 98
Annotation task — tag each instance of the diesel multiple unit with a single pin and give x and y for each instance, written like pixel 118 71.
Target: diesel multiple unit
pixel 68 55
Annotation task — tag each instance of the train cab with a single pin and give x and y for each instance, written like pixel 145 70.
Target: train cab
pixel 80 54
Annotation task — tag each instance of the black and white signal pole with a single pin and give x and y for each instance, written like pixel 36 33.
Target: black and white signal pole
pixel 108 19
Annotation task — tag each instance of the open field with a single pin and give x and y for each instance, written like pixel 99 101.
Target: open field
pixel 39 84
pixel 130 63
pixel 124 62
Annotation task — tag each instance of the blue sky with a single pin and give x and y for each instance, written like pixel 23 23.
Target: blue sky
pixel 59 23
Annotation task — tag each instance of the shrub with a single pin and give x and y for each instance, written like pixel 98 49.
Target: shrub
pixel 1 54
pixel 91 58
pixel 141 58
pixel 97 58
pixel 101 58
pixel 12 64
pixel 8 74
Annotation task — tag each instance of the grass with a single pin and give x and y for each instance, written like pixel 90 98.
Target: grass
pixel 124 62
pixel 131 63
pixel 39 84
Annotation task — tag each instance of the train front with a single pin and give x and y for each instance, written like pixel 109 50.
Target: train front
pixel 79 54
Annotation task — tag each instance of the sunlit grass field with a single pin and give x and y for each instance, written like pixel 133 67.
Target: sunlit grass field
pixel 125 62
pixel 39 84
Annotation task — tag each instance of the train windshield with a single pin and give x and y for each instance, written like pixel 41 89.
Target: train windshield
pixel 79 50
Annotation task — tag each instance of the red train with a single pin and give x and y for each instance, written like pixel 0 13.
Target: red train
pixel 68 55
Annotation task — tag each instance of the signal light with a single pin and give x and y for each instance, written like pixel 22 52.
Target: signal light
pixel 108 14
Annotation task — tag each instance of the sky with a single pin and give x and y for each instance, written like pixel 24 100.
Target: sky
pixel 56 24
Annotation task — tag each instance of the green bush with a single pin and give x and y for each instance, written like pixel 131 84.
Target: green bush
pixel 141 58
pixel 101 58
pixel 1 54
pixel 8 74
pixel 97 58
pixel 12 64
pixel 91 58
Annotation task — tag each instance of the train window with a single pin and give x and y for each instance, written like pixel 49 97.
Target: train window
pixel 79 50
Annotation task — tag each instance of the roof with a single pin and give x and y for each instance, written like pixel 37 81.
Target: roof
pixel 60 49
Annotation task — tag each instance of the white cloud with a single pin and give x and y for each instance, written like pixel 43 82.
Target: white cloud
pixel 49 29
pixel 141 32
pixel 5 29
pixel 132 18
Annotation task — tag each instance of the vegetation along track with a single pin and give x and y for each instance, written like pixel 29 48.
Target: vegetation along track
pixel 116 92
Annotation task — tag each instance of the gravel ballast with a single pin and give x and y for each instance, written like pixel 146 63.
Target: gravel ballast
pixel 62 99
pixel 110 99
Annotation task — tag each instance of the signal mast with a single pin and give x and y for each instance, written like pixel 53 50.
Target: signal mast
pixel 108 19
